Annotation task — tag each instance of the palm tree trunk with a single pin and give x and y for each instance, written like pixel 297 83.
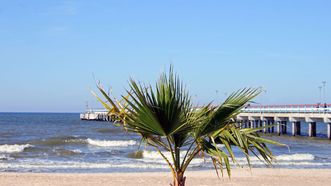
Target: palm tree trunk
pixel 179 180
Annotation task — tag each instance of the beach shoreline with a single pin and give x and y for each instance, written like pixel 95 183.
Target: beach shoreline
pixel 240 176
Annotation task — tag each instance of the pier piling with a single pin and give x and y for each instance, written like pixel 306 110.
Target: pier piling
pixel 273 127
pixel 264 123
pixel 312 129
pixel 296 128
pixel 329 130
pixel 269 128
pixel 284 127
pixel 279 128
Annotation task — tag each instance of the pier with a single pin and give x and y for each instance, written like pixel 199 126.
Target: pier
pixel 282 115
pixel 254 116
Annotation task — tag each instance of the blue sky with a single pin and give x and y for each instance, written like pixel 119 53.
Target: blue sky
pixel 51 49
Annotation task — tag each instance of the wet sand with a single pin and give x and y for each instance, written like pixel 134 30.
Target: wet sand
pixel 255 177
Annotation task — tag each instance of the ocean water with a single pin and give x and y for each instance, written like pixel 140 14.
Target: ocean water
pixel 44 142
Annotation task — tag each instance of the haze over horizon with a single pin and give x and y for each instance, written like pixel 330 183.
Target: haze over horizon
pixel 52 50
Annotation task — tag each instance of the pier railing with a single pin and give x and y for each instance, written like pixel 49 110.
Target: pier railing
pixel 303 108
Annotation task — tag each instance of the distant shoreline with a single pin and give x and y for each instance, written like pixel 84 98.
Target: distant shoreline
pixel 255 177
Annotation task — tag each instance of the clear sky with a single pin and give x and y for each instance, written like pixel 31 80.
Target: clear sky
pixel 49 50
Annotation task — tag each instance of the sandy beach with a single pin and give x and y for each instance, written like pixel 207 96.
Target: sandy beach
pixel 302 177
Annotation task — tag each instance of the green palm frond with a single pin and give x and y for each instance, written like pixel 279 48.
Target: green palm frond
pixel 228 110
pixel 161 111
pixel 113 104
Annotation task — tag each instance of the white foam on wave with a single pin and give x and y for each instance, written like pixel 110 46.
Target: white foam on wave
pixel 139 164
pixel 78 165
pixel 155 157
pixel 3 157
pixel 74 140
pixel 13 148
pixel 283 160
pixel 153 160
pixel 284 157
pixel 76 151
pixel 295 157
pixel 111 143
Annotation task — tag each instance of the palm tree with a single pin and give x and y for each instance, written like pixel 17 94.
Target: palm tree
pixel 166 119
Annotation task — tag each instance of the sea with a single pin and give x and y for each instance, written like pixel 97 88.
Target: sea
pixel 61 142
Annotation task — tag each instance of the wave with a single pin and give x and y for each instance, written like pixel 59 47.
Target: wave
pixel 13 148
pixel 111 143
pixel 295 157
pixel 77 151
pixel 156 155
pixel 5 157
pixel 60 140
pixel 78 165
pixel 107 130
pixel 40 165
pixel 149 160
pixel 124 166
pixel 285 159
pixel 66 152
